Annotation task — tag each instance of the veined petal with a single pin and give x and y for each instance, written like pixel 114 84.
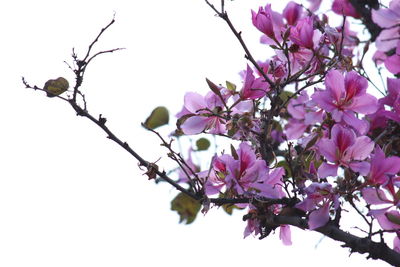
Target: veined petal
pixel 374 196
pixel 361 167
pixel 194 125
pixel 326 170
pixel 194 102
pixel 319 217
pixel 361 148
pixel 328 149
pixel 334 82
pixel 365 104
pixel 285 235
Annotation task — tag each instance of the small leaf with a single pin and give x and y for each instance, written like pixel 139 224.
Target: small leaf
pixel 158 117
pixel 285 95
pixel 234 153
pixel 285 165
pixel 230 86
pixel 228 208
pixel 56 87
pixel 186 207
pixel 202 144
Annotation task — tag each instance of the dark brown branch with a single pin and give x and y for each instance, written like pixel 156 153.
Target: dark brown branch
pixel 364 8
pixel 375 250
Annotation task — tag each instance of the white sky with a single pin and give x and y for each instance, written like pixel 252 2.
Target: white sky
pixel 69 196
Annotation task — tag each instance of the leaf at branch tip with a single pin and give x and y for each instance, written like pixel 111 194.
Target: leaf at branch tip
pixel 186 207
pixel 230 86
pixel 285 95
pixel 202 144
pixel 158 117
pixel 56 87
pixel 234 153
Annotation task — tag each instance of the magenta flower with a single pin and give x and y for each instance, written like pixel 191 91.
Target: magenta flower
pixel 292 12
pixel 382 167
pixel 388 18
pixel 304 114
pixel 393 97
pixel 200 111
pixel 302 34
pixel 245 174
pixel 344 149
pixel 319 198
pixel 344 7
pixel 345 96
pixel 253 88
pixel 268 22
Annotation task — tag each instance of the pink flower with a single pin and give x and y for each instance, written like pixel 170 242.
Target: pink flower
pixel 302 34
pixel 388 18
pixel 344 7
pixel 318 201
pixel 253 88
pixel 200 110
pixel 344 149
pixel 292 12
pixel 304 114
pixel 245 173
pixel 381 167
pixel 314 5
pixel 345 96
pixel 268 22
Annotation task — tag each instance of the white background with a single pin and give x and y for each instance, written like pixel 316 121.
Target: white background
pixel 71 197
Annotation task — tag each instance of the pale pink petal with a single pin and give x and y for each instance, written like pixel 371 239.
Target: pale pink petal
pixel 362 167
pixel 285 235
pixel 326 170
pixel 324 100
pixel 334 82
pixel 328 149
pixel 385 17
pixel 365 104
pixel 361 126
pixel 392 63
pixel 294 129
pixel 319 217
pixel 356 85
pixel 396 244
pixel 194 125
pixel 194 102
pixel 374 196
pixel 361 148
pixel 387 39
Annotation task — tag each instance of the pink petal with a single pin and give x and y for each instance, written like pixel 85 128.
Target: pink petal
pixel 374 196
pixel 285 235
pixel 385 17
pixel 328 149
pixel 362 167
pixel 194 102
pixel 392 63
pixel 194 125
pixel 361 148
pixel 319 217
pixel 334 82
pixel 326 170
pixel 365 104
pixel 361 126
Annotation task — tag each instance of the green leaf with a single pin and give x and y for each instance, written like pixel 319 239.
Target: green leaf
pixel 186 207
pixel 56 87
pixel 202 144
pixel 234 153
pixel 228 208
pixel 285 165
pixel 285 95
pixel 158 117
pixel 230 86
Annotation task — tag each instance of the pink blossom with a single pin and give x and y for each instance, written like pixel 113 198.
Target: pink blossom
pixel 344 7
pixel 344 149
pixel 245 174
pixel 268 22
pixel 382 166
pixel 314 5
pixel 388 18
pixel 303 114
pixel 200 110
pixel 319 198
pixel 292 12
pixel 345 96
pixel 302 34
pixel 253 88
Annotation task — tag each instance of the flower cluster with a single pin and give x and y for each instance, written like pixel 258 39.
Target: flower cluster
pixel 303 124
